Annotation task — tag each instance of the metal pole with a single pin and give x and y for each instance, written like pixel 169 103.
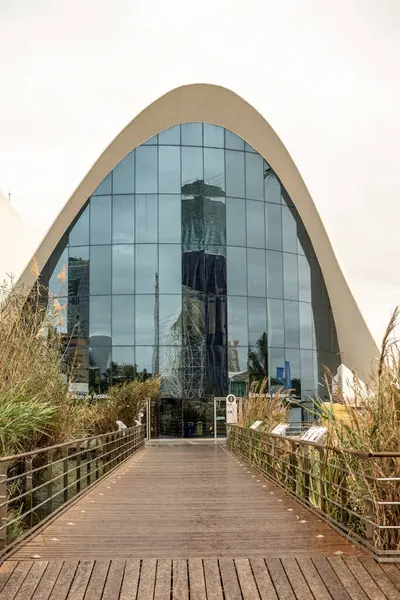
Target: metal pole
pixel 215 418
pixel 148 427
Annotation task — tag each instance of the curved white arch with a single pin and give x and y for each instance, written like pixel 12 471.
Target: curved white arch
pixel 219 106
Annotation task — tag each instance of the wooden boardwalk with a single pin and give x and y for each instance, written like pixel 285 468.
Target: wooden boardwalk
pixel 180 522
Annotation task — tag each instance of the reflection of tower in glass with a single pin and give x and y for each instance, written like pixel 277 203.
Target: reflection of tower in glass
pixel 233 357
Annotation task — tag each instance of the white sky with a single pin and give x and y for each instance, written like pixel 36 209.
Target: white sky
pixel 324 73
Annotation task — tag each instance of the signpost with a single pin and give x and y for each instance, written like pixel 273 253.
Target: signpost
pixel 231 409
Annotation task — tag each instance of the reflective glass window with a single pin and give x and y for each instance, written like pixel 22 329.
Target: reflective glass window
pixel 146 268
pixel 169 219
pixel 254 177
pixel 78 271
pixel 123 364
pixel 237 271
pixel 146 218
pixel 169 169
pixel 233 141
pixel 290 277
pixel 123 269
pixel 214 172
pixel 213 136
pixel 292 333
pixel 123 320
pixel 322 329
pixel 100 270
pixel 99 368
pixel 308 379
pixel 100 220
pixel 171 136
pixel 249 148
pixel 78 320
pixel 237 321
pixel 274 274
pixel 273 217
pixel 276 359
pixel 304 279
pixel 58 282
pixel 104 188
pixel 257 310
pixel 123 219
pixel 256 272
pixel 276 330
pixel 289 231
pixel 191 134
pixel 170 311
pixel 144 357
pixel 146 170
pixel 306 326
pixel 79 234
pixel 293 358
pixel 255 224
pixel 235 220
pixel 144 319
pixel 151 141
pixel 124 175
pixel 170 269
pixel 272 187
pixel 100 320
pixel 192 169
pixel 234 165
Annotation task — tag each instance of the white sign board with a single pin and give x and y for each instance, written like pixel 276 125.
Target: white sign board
pixel 280 429
pixel 231 409
pixel 255 425
pixel 121 425
pixel 314 434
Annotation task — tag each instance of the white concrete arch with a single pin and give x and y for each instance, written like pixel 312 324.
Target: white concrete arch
pixel 219 106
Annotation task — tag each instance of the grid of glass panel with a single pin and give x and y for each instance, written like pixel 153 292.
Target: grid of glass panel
pixel 190 260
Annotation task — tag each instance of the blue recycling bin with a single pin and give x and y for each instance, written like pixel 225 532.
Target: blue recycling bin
pixel 190 429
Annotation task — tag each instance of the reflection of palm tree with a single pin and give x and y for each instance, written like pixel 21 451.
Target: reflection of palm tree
pixel 258 361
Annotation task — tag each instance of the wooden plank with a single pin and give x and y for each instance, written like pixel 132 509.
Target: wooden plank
pixel 313 579
pixel 279 579
pixel 380 578
pixel 229 579
pixel 130 582
pixel 48 581
pixel 113 583
pixel 97 580
pixel 365 580
pixel 147 580
pixel 212 579
pixel 347 578
pixel 296 579
pixel 180 587
pixel 64 581
pixel 81 580
pixel 264 582
pixel 15 581
pixel 196 579
pixel 393 573
pixel 247 584
pixel 331 580
pixel 6 570
pixel 163 580
pixel 32 580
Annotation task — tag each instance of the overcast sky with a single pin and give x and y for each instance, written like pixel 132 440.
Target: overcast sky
pixel 324 73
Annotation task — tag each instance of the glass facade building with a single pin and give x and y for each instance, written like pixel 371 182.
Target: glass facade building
pixel 190 261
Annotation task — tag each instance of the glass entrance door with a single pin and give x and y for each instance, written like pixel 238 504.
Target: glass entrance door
pixel 220 416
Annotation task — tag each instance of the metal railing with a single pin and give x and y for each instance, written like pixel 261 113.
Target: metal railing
pixel 34 485
pixel 356 492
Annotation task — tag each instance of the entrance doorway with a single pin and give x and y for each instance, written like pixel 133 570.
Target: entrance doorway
pixel 172 418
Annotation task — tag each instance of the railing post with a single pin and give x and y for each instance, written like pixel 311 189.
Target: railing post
pixel 29 485
pixel 65 471
pixel 321 480
pixel 88 463
pixel 292 466
pixel 78 469
pixel 306 473
pixel 49 476
pixel 3 500
pixel 97 468
pixel 370 527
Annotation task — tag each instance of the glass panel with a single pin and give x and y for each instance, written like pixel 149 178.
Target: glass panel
pixel 192 169
pixel 235 222
pixel 144 319
pixel 100 320
pixel 273 216
pixel 249 148
pixel 170 136
pixel 170 268
pixel 192 134
pixel 146 268
pixel 290 277
pixel 307 362
pixel 274 274
pixel 216 382
pixel 58 282
pixel 99 369
pixel 169 221
pixel 78 271
pixel 289 230
pixel 124 175
pixel 144 356
pixel 233 141
pixel 257 320
pixel 237 321
pixel 146 218
pixel 322 329
pixel 304 279
pixel 123 364
pixel 255 224
pixel 169 169
pixel 151 141
pixel 104 187
pixel 170 320
pixel 146 170
pixel 237 363
pixel 234 164
pixel 78 320
pixel 292 327
pixel 256 272
pixel 100 270
pixel 170 370
pixel 123 269
pixel 123 225
pixel 272 187
pixel 237 272
pixel 123 320
pixel 215 320
pixel 79 234
pixel 306 326
pixel 254 177
pixel 276 361
pixel 294 383
pixel 100 220
pixel 214 172
pixel 275 323
pixel 213 136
